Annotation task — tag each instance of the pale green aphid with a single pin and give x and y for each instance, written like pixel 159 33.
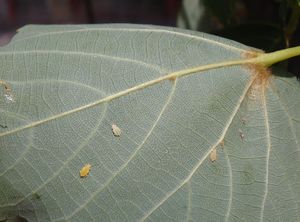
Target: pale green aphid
pixel 116 130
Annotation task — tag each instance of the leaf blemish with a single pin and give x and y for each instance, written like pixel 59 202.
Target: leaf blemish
pixel 252 95
pixel 85 170
pixel 7 91
pixel 36 196
pixel 242 135
pixel 116 130
pixel 243 120
pixel 3 126
pixel 262 74
pixel 222 143
pixel 172 78
pixel 213 155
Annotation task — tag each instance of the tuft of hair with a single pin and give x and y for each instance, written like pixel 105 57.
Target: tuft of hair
pixel 261 74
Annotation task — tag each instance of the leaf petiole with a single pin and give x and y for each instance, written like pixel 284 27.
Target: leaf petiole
pixel 269 59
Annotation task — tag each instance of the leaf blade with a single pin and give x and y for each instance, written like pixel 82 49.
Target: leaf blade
pixel 167 129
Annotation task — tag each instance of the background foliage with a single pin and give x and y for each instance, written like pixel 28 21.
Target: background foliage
pixel 269 25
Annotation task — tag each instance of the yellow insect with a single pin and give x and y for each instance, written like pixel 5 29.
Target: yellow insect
pixel 85 170
pixel 213 155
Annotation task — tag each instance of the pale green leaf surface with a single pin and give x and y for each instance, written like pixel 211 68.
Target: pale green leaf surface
pixel 66 79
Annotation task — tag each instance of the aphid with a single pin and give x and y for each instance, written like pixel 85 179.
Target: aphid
pixel 242 135
pixel 85 170
pixel 213 155
pixel 116 130
pixel 36 196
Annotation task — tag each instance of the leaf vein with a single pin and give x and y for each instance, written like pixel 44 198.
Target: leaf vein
pixel 283 105
pixel 266 117
pixel 132 156
pixel 95 55
pixel 228 124
pixel 169 76
pixel 137 30
pixel 63 164
pixel 230 186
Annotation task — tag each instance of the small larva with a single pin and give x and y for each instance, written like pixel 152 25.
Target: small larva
pixel 213 155
pixel 84 172
pixel 116 130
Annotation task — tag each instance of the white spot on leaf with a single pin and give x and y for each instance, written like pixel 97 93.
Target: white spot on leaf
pixel 9 97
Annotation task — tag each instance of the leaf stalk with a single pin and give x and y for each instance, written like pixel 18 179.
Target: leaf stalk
pixel 269 59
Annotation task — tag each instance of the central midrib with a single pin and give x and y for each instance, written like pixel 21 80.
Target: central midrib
pixel 171 76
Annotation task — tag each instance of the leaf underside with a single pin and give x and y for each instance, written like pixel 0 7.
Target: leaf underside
pixel 65 81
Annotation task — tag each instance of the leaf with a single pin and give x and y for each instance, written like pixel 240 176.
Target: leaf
pixel 71 83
